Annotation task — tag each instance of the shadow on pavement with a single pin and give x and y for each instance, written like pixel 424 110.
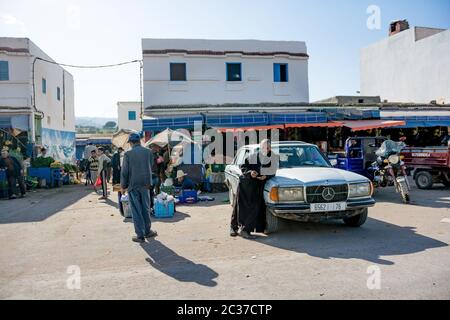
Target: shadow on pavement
pixel 440 196
pixel 170 263
pixel 42 204
pixel 178 216
pixel 373 241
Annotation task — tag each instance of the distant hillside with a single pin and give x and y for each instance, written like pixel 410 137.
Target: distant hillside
pixel 92 121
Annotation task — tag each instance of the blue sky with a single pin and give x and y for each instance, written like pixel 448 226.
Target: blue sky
pixel 108 31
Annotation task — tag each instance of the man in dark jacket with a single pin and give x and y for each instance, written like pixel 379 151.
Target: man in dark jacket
pixel 14 172
pixel 136 178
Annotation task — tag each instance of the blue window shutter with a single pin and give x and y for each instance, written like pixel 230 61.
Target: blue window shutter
pixel 276 72
pixel 4 70
pixel 44 85
pixel 131 115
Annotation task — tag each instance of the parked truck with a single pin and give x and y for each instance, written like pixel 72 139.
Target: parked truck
pixel 430 165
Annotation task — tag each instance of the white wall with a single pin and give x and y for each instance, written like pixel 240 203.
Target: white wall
pixel 53 109
pixel 17 92
pixel 401 69
pixel 206 73
pixel 122 115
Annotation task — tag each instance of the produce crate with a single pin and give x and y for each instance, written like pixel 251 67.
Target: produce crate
pixel 51 175
pixel 164 209
pixel 41 173
pixel 188 196
pixel 56 179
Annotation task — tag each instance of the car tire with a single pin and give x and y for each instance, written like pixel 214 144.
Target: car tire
pixel 357 220
pixel 272 223
pixel 424 180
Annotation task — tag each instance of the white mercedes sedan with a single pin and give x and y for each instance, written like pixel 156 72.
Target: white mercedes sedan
pixel 306 187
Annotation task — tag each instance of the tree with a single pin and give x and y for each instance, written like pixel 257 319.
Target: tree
pixel 110 125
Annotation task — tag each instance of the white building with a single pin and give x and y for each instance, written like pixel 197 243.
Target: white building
pixel 411 65
pixel 36 98
pixel 129 115
pixel 192 71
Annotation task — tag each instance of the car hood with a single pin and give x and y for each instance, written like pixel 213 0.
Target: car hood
pixel 315 175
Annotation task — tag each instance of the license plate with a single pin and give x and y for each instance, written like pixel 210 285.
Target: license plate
pixel 324 207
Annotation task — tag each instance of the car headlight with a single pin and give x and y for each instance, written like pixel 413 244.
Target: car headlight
pixel 286 194
pixel 357 190
pixel 394 159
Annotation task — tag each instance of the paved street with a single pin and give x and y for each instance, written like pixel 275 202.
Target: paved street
pixel 194 258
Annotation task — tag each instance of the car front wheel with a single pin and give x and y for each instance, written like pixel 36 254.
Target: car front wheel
pixel 357 220
pixel 272 223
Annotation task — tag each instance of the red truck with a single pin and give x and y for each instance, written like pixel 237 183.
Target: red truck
pixel 430 165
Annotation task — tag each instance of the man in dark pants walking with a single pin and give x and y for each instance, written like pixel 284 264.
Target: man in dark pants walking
pixel 136 178
pixel 14 172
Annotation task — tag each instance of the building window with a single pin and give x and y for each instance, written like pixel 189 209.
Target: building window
pixel 4 71
pixel 58 93
pixel 131 115
pixel 280 72
pixel 178 72
pixel 44 86
pixel 234 72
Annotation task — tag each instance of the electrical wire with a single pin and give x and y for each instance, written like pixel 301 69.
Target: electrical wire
pixel 87 67
pixel 92 66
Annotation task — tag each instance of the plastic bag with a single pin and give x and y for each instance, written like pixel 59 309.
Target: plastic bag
pixel 98 182
pixel 389 147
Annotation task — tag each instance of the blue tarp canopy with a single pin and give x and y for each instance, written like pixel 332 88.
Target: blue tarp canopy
pixel 237 120
pixel 84 142
pixel 422 121
pixel 297 118
pixel 15 122
pixel 159 124
pixel 346 113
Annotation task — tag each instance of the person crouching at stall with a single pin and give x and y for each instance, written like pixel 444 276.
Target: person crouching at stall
pixel 248 206
pixel 183 181
pixel 103 163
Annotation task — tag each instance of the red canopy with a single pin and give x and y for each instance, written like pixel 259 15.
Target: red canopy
pixel 357 125
pixel 323 124
pixel 222 130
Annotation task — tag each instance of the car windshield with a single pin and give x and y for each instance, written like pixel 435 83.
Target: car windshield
pixel 300 156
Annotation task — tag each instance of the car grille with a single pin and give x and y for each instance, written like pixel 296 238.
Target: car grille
pixel 314 193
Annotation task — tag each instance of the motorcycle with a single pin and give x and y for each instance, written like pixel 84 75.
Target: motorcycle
pixel 390 170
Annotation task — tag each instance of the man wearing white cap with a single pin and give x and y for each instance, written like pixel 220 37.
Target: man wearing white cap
pixel 184 181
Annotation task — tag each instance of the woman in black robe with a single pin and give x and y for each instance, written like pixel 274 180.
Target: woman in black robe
pixel 248 206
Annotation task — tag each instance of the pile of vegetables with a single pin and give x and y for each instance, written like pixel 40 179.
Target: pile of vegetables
pixel 70 168
pixel 42 162
pixel 56 164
